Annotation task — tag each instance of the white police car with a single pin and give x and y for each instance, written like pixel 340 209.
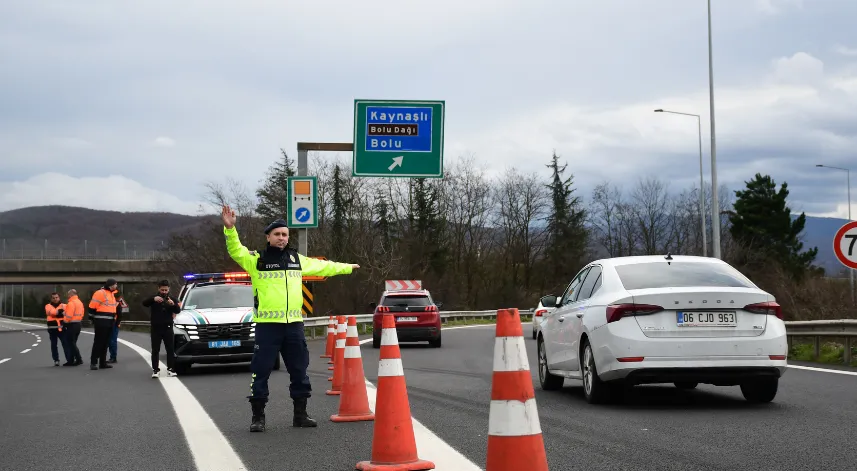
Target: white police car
pixel 215 323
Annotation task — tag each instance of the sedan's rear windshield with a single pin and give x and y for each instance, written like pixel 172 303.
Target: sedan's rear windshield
pixel 406 300
pixel 680 275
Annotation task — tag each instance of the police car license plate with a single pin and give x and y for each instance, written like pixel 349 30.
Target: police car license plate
pixel 224 343
pixel 406 319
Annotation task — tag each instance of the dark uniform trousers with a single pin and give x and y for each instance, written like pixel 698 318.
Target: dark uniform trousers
pixel 273 339
pixel 103 330
pixel 162 333
pixel 72 333
pixel 58 337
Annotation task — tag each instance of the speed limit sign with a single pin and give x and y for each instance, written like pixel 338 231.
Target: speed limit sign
pixel 845 245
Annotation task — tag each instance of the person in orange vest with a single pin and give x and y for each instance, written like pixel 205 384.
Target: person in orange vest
pixel 55 312
pixel 74 312
pixel 102 311
pixel 121 308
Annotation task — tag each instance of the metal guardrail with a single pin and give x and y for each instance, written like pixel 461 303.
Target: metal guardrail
pixel 844 328
pixel 816 330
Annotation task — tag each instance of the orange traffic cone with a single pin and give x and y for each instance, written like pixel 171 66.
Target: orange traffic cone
pixel 331 338
pixel 338 326
pixel 353 402
pixel 338 359
pixel 394 447
pixel 514 432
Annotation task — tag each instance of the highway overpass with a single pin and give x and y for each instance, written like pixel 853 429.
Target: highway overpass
pixel 31 272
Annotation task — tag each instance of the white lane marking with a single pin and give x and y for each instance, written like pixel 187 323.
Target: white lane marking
pixel 210 449
pixel 4 360
pixel 824 370
pixel 35 345
pixel 429 446
pixel 25 350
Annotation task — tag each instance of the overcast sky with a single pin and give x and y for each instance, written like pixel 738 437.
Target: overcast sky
pixel 114 104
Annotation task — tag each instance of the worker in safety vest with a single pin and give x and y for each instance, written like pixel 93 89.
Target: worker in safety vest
pixel 121 308
pixel 55 311
pixel 74 313
pixel 102 311
pixel 276 274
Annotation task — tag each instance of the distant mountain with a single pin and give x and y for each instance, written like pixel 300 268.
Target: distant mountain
pixel 68 227
pixel 819 232
pixel 71 228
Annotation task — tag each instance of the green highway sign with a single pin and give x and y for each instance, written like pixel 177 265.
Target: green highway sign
pixel 302 202
pixel 398 138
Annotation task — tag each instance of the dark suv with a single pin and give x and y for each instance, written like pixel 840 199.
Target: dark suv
pixel 417 316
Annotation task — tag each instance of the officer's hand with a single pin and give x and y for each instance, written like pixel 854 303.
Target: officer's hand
pixel 354 266
pixel 228 216
pixel 170 302
pixel 159 299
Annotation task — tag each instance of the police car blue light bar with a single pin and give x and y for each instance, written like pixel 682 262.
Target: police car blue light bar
pixel 228 276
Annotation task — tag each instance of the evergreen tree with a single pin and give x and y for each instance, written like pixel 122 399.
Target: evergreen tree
pixel 427 227
pixel 382 221
pixel 338 215
pixel 273 193
pixel 567 237
pixel 762 221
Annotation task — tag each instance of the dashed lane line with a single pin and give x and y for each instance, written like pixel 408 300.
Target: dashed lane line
pixel 210 449
pixel 25 350
pixel 4 360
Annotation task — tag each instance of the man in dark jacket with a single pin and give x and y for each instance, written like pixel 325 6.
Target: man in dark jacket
pixel 163 311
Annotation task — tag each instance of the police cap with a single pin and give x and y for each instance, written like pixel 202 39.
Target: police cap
pixel 275 224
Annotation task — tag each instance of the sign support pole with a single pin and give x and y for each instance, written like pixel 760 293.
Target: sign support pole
pixel 303 234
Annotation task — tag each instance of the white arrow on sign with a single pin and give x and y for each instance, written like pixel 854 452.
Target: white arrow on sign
pixel 397 162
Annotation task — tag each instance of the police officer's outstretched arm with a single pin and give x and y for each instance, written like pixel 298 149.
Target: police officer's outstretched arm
pixel 316 267
pixel 236 250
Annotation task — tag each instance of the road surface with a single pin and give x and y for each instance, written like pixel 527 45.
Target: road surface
pixel 73 418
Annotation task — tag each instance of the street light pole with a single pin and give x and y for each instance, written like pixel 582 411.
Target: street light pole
pixel 848 179
pixel 715 199
pixel 701 181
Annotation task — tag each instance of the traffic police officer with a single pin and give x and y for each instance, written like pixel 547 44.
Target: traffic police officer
pixel 102 311
pixel 276 274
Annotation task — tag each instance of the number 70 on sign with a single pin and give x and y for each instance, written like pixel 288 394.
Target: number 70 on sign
pixel 845 245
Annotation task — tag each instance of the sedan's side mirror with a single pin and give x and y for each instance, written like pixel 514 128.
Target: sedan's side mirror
pixel 438 304
pixel 372 306
pixel 548 301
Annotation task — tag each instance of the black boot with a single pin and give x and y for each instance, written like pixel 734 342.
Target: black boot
pixel 302 419
pixel 258 424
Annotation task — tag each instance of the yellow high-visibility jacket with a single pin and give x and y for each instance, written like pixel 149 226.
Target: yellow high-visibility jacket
pixel 277 287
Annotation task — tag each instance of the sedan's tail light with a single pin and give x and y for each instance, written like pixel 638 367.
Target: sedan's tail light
pixel 618 311
pixel 540 312
pixel 432 308
pixel 769 308
pixel 382 309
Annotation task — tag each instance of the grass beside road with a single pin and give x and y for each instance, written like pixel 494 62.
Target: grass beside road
pixel 831 353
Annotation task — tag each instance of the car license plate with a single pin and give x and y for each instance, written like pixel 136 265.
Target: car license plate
pixel 706 319
pixel 224 343
pixel 406 319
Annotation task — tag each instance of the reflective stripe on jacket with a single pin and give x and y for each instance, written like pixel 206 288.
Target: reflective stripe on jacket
pixel 54 322
pixel 103 302
pixel 279 293
pixel 74 311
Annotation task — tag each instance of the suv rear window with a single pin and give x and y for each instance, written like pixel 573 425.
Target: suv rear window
pixel 680 275
pixel 220 296
pixel 416 300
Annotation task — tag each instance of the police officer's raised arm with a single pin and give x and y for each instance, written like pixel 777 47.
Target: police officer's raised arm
pixel 316 267
pixel 236 250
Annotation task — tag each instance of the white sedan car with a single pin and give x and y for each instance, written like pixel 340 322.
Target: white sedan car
pixel 662 319
pixel 539 315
